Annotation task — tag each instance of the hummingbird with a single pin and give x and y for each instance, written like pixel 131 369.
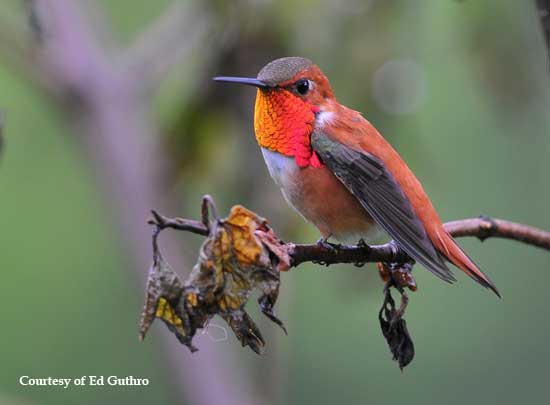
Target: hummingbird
pixel 338 171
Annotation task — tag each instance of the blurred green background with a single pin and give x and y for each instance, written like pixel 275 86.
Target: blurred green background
pixel 461 89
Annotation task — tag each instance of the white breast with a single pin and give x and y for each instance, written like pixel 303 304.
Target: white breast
pixel 284 171
pixel 281 168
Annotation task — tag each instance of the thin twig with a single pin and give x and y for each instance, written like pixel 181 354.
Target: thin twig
pixel 180 224
pixel 485 227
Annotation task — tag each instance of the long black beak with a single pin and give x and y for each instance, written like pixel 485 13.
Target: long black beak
pixel 242 80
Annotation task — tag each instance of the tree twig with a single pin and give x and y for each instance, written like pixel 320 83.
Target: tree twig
pixel 180 224
pixel 482 228
pixel 486 227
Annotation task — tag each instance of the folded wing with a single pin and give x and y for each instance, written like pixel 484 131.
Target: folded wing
pixel 373 185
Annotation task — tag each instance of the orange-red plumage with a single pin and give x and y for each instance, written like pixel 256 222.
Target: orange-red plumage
pixel 283 123
pixel 359 177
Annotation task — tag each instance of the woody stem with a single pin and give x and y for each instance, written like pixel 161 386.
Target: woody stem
pixel 482 228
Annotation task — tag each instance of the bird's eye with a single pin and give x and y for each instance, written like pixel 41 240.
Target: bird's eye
pixel 302 86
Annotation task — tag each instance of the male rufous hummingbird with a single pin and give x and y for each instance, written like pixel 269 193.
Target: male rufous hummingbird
pixel 339 173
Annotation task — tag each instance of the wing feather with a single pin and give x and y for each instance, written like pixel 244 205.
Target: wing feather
pixel 366 177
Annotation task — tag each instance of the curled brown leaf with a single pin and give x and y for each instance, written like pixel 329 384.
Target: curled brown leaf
pixel 240 254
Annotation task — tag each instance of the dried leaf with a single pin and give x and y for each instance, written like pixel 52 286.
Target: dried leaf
pixel 173 322
pixel 394 329
pixel 276 246
pixel 162 281
pixel 398 274
pixel 240 254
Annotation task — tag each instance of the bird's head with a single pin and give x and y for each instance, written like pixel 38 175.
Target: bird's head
pixel 291 93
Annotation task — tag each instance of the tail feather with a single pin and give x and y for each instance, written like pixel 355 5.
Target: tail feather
pixel 454 253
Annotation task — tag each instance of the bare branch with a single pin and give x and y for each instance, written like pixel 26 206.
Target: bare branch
pixel 485 227
pixel 482 228
pixel 180 224
pixel 326 255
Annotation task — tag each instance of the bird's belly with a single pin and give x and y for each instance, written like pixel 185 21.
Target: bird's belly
pixel 320 198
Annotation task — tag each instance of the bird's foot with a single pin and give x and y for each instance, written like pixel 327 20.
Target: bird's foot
pixel 324 243
pixel 362 244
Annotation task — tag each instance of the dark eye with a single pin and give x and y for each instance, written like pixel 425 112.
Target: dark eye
pixel 302 86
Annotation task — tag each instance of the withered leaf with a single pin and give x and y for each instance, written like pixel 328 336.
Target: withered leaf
pixel 173 322
pixel 276 246
pixel 394 329
pixel 241 253
pixel 398 274
pixel 162 282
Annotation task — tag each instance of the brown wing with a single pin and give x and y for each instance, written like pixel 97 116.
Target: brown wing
pixel 365 176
